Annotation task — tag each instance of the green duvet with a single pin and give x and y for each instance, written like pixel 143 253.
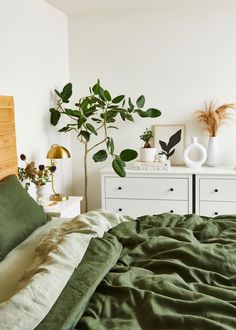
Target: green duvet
pixel 159 272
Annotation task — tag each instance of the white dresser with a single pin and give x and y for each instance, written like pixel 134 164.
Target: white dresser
pixel 147 192
pixel 215 191
pixel 207 191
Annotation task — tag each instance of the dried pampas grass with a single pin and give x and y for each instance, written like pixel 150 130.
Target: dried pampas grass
pixel 212 117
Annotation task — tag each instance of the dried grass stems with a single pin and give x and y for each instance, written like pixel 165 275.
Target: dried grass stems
pixel 212 116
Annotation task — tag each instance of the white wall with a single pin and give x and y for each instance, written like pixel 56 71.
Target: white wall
pixel 34 61
pixel 176 56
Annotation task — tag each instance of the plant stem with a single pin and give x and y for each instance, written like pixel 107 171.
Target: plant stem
pixel 86 176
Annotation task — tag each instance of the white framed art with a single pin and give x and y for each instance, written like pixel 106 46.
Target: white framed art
pixel 163 133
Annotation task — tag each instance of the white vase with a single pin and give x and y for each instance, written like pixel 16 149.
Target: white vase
pixel 213 156
pixel 42 194
pixel 147 154
pixel 202 151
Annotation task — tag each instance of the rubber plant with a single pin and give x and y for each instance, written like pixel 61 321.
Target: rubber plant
pixel 95 113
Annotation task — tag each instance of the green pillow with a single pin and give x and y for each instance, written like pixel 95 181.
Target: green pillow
pixel 20 215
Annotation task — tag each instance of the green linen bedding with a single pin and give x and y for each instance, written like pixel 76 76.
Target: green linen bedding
pixel 160 272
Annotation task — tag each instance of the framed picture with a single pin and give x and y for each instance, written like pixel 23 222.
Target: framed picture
pixel 163 133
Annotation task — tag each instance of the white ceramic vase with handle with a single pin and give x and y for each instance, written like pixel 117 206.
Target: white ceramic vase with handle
pixel 194 145
pixel 213 156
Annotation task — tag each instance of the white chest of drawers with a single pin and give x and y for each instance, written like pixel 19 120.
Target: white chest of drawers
pixel 216 191
pixel 207 191
pixel 147 192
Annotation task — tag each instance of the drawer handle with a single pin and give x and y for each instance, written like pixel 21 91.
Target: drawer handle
pixel 120 209
pixel 216 190
pixel 171 189
pixel 171 211
pixel 216 213
pixel 119 188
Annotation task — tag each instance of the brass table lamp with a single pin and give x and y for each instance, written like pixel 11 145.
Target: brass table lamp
pixel 57 152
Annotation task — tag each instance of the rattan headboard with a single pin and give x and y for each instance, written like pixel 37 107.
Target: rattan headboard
pixel 8 156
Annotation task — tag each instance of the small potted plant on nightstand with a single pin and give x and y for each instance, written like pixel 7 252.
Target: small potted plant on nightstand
pixel 147 153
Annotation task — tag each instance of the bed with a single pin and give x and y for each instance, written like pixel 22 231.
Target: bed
pixel 107 271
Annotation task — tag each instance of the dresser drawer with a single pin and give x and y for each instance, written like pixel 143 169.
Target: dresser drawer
pixel 166 188
pixel 218 189
pixel 138 207
pixel 212 209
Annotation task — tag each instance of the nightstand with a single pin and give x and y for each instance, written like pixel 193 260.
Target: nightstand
pixel 65 209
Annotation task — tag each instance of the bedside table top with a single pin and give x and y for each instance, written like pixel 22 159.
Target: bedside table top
pixel 56 208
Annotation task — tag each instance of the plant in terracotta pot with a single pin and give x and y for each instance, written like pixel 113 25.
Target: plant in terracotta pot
pixel 212 117
pixel 147 152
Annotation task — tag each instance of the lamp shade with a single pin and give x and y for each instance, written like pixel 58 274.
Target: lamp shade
pixel 58 152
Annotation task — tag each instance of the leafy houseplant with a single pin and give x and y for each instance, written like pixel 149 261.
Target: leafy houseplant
pixel 147 153
pixel 146 137
pixel 95 113
pixel 167 148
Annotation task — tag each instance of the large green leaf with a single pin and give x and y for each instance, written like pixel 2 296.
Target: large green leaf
pixel 85 134
pixel 118 167
pixel 55 116
pixel 73 113
pixel 96 88
pixel 84 104
pixel 118 99
pixel 140 101
pixel 66 92
pixel 100 156
pixel 153 113
pixel 91 128
pixel 128 155
pixel 107 95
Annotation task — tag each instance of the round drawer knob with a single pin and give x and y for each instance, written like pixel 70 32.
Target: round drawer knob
pixel 171 211
pixel 119 188
pixel 171 189
pixel 216 213
pixel 120 209
pixel 216 190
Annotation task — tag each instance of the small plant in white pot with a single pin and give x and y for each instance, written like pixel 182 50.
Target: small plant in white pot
pixel 147 153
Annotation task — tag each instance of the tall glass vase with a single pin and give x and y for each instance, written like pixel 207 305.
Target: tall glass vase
pixel 213 155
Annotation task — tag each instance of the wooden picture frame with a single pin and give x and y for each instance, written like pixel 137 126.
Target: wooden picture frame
pixel 164 132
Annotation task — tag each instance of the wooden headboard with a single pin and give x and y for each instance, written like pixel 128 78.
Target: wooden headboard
pixel 8 155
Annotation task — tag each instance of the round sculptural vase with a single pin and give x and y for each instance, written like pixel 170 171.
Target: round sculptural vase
pixel 147 154
pixel 42 194
pixel 213 156
pixel 202 154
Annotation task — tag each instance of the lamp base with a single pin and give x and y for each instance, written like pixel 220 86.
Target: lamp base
pixel 58 197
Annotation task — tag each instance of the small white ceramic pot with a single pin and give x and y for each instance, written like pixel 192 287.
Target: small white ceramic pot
pixel 147 154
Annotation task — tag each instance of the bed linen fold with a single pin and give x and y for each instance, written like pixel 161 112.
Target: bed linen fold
pixel 172 272
pixel 26 309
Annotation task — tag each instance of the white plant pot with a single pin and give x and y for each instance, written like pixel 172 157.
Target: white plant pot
pixel 147 154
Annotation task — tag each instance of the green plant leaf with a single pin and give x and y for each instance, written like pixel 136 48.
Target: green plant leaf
pixel 91 128
pixel 85 134
pixel 110 145
pixel 128 155
pixel 107 95
pixel 65 129
pixel 113 127
pixel 142 113
pixel 97 120
pixel 153 113
pixel 96 88
pixel 118 167
pixel 84 104
pixel 55 116
pixel 100 156
pixel 118 99
pixel 131 104
pixel 58 94
pixel 66 93
pixel 140 101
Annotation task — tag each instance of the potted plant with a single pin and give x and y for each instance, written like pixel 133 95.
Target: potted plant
pixel 212 117
pixel 38 175
pixel 95 116
pixel 147 152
